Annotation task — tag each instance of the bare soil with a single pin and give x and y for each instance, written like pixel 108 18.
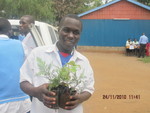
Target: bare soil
pixel 122 84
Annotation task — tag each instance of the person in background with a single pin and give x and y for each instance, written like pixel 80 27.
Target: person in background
pixel 142 42
pixel 12 56
pixel 129 47
pixel 12 35
pixel 25 36
pixel 136 47
pixel 59 54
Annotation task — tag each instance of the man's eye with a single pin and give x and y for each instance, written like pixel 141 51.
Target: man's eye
pixel 66 30
pixel 76 32
pixel 21 22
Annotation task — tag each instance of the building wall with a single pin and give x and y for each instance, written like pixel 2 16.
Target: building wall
pixel 122 9
pixel 114 33
pixel 114 24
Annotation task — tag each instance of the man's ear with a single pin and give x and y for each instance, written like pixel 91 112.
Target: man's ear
pixel 59 29
pixel 30 25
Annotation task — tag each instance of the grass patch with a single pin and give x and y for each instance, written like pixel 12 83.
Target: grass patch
pixel 145 59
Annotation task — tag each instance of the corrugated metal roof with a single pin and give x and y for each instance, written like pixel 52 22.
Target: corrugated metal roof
pixel 113 2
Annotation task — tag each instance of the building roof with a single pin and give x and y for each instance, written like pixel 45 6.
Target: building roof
pixel 113 2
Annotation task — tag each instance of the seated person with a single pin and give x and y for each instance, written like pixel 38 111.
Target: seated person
pixel 136 46
pixel 129 47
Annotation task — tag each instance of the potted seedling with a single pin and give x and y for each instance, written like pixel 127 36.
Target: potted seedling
pixel 63 81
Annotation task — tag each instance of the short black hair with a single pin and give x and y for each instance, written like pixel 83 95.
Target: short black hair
pixel 74 16
pixel 5 26
pixel 30 18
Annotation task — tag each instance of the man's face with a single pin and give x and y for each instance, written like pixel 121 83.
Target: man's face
pixel 69 34
pixel 24 25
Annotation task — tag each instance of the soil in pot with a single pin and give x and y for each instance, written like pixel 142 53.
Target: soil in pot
pixel 64 95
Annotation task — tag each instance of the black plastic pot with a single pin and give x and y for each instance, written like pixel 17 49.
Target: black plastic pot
pixel 62 96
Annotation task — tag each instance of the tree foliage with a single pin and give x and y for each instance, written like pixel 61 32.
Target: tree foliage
pixel 106 1
pixel 40 9
pixel 146 2
pixel 50 11
pixel 45 10
pixel 63 7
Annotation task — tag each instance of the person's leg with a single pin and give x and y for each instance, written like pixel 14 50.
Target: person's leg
pixel 140 51
pixel 143 50
pixel 127 51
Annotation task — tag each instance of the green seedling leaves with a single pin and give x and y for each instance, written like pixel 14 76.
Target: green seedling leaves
pixel 64 75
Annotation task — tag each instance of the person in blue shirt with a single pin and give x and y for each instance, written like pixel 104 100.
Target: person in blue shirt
pixel 12 98
pixel 142 42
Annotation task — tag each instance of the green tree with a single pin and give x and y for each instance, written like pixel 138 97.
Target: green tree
pixel 40 9
pixel 50 11
pixel 146 2
pixel 63 7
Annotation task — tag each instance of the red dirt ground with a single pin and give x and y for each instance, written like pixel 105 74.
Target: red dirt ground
pixel 115 75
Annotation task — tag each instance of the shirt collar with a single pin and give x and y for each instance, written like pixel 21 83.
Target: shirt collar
pixel 2 36
pixel 54 49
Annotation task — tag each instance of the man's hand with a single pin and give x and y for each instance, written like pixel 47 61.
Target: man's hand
pixel 45 96
pixel 40 92
pixel 76 99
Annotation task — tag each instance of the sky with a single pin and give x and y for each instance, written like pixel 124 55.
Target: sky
pixel 104 1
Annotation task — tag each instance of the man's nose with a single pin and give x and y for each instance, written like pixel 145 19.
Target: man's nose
pixel 71 34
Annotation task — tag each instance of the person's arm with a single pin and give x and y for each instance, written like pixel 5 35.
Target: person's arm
pixel 77 99
pixel 41 93
pixel 147 40
pixel 139 42
pixel 87 91
pixel 26 50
